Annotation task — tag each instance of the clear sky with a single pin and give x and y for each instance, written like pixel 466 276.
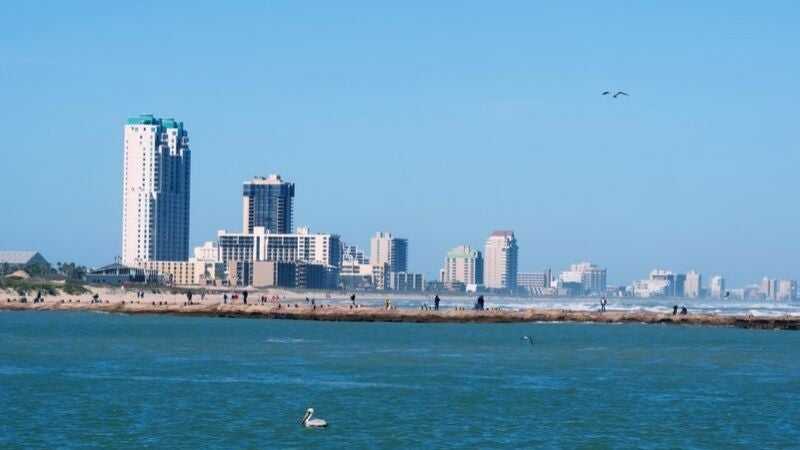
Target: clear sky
pixel 437 121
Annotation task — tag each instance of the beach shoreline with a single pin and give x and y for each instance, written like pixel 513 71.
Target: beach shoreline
pixel 337 310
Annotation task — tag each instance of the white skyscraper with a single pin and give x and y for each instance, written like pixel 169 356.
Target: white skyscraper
pixel 717 286
pixel 156 184
pixel 692 287
pixel 500 260
pixel 591 277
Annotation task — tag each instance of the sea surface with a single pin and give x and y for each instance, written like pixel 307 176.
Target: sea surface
pixel 92 380
pixel 765 308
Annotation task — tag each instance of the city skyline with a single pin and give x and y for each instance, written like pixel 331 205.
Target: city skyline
pixel 350 129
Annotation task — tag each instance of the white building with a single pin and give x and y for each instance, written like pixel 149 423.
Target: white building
pixel 717 286
pixel 261 245
pixel 769 288
pixel 787 290
pixel 693 285
pixel 651 288
pixel 500 263
pixel 387 249
pixel 591 277
pixel 208 252
pixel 463 264
pixel 156 184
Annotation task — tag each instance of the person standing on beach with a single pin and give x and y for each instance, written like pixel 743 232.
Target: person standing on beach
pixel 353 299
pixel 436 301
pixel 675 310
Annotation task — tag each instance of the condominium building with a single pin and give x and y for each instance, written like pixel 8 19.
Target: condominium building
pixel 267 202
pixel 261 245
pixel 404 282
pixel 185 273
pixel 208 252
pixel 387 249
pixel 787 290
pixel 668 278
pixel 463 264
pixel 353 254
pixel 717 287
pixel 156 185
pixel 693 285
pixel 533 281
pixel 591 277
pixel 769 288
pixel 500 263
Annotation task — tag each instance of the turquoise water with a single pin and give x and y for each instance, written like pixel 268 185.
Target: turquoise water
pixel 91 380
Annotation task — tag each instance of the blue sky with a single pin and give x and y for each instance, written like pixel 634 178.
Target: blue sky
pixel 436 122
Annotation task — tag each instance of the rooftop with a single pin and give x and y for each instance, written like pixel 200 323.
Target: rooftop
pixel 149 119
pixel 18 256
pixel 272 179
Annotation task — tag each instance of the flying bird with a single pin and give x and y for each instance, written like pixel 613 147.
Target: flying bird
pixel 620 93
pixel 605 92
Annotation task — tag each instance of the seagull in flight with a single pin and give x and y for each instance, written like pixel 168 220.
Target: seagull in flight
pixel 620 93
pixel 605 92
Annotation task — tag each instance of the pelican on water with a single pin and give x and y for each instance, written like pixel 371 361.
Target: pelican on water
pixel 308 422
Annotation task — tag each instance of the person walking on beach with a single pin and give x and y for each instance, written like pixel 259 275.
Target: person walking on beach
pixel 225 298
pixel 603 303
pixel 675 310
pixel 436 301
pixel 479 304
pixel 353 299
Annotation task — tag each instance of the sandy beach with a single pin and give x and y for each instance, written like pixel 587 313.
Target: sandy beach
pixel 291 307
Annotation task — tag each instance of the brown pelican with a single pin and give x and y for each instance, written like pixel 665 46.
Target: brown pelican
pixel 308 422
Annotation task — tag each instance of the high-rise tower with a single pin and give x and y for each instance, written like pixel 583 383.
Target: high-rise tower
pixel 156 185
pixel 500 260
pixel 267 202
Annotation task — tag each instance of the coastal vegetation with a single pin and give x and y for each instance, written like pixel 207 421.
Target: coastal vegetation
pixel 46 287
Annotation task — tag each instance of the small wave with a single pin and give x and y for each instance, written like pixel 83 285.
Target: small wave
pixel 287 340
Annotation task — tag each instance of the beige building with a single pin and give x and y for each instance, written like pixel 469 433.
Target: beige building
pixel 463 264
pixel 787 290
pixel 185 273
pixel 500 263
pixel 387 249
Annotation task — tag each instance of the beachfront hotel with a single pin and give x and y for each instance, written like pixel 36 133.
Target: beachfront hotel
pixel 693 287
pixel 717 287
pixel 463 265
pixel 267 202
pixel 156 183
pixel 500 260
pixel 387 249
pixel 262 245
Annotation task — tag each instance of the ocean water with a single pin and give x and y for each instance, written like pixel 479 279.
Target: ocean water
pixel 661 305
pixel 90 380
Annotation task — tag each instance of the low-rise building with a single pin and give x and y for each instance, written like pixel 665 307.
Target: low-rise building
pixel 15 260
pixel 120 274
pixel 534 281
pixel 404 281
